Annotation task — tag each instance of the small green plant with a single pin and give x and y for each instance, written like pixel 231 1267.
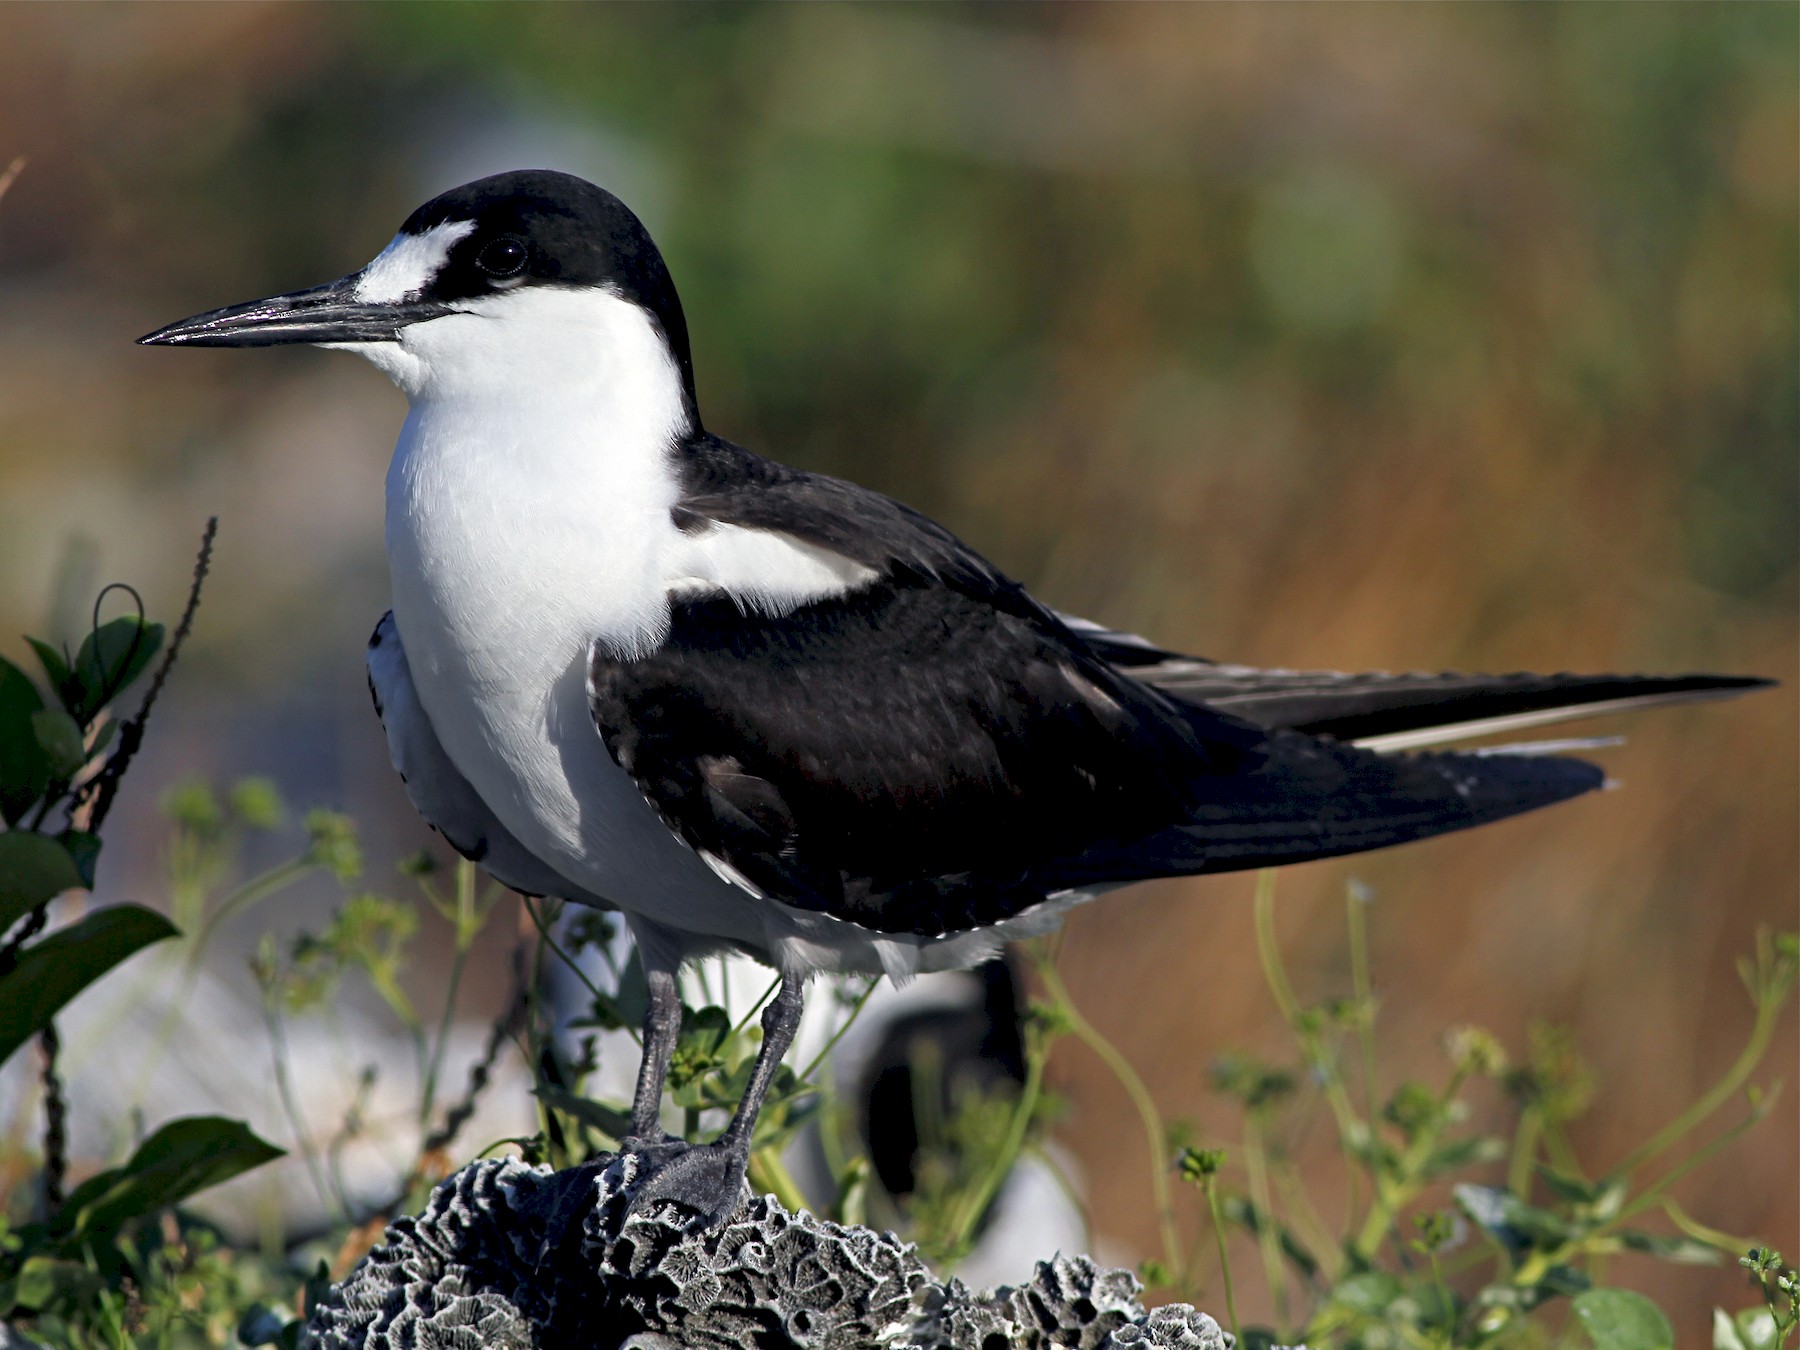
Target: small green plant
pixel 1409 1271
pixel 94 1260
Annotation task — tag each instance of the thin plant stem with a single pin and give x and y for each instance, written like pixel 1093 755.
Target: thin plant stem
pixel 104 785
pixel 1071 1193
pixel 259 887
pixel 1561 1151
pixel 976 1202
pixel 544 939
pixel 1218 1227
pixel 533 1043
pixel 1364 988
pixel 1768 1016
pixel 1326 1248
pixel 1365 994
pixel 56 1115
pixel 769 1174
pixel 1256 1165
pixel 1700 1232
pixel 466 928
pixel 754 1008
pixel 290 1106
pixel 1155 1134
pixel 1351 1126
pixel 1391 1199
pixel 1524 1152
pixel 1653 1193
pixel 825 1050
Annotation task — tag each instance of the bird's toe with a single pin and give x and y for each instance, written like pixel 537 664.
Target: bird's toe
pixel 705 1178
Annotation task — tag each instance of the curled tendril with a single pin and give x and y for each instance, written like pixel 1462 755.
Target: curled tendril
pixel 112 690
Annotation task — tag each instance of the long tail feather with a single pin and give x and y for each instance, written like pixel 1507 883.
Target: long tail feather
pixel 1400 712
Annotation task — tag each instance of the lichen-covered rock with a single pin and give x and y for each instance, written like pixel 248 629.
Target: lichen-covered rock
pixel 506 1255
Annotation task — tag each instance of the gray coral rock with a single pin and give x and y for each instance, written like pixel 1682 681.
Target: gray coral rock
pixel 506 1255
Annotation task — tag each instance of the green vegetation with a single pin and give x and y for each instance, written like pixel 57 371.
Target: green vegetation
pixel 1454 1237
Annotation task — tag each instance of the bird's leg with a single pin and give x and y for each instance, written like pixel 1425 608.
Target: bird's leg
pixel 662 1029
pixel 709 1178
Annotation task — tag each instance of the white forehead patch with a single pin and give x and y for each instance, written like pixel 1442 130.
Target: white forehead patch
pixel 406 266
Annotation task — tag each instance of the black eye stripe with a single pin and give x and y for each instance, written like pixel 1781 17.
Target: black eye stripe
pixel 503 257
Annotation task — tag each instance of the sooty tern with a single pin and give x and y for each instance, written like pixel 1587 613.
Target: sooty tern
pixel 758 709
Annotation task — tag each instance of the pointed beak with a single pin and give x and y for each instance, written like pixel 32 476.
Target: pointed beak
pixel 325 314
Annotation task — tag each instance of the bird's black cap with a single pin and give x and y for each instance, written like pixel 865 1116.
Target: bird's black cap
pixel 529 227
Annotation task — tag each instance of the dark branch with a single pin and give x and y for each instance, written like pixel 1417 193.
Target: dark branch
pixel 105 785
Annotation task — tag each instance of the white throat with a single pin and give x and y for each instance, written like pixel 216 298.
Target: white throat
pixel 527 517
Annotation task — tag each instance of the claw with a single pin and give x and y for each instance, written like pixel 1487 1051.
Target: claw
pixel 705 1178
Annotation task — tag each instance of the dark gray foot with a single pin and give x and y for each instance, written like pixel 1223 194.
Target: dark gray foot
pixel 705 1178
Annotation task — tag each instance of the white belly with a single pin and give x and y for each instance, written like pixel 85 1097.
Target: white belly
pixel 499 589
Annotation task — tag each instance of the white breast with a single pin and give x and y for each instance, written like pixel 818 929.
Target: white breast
pixel 519 531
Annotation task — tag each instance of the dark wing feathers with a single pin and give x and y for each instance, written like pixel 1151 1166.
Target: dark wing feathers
pixel 933 751
pixel 1403 711
pixel 839 755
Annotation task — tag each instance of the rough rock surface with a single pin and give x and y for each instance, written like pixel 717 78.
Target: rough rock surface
pixel 507 1256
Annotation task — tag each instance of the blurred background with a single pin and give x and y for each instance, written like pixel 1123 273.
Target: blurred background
pixel 1405 337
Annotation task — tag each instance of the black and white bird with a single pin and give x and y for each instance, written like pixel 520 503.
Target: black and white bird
pixel 762 710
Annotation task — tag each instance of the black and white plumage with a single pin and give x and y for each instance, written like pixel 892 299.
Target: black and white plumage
pixel 769 711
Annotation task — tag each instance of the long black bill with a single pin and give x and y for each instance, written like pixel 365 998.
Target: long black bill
pixel 329 313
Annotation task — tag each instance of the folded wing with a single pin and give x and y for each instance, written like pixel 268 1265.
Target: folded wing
pixel 928 750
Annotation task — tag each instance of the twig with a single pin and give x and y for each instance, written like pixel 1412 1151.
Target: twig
pixel 56 1115
pixel 105 784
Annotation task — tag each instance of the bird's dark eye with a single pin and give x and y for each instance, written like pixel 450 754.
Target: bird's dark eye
pixel 502 258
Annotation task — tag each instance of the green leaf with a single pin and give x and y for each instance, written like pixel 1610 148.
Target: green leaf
pixel 1686 1251
pixel 1562 1282
pixel 1461 1153
pixel 56 670
pixel 612 1121
pixel 703 1032
pixel 1617 1319
pixel 43 1282
pixel 1507 1219
pixel 1368 1293
pixel 54 666
pixel 181 1159
pixel 84 848
pixel 1570 1188
pixel 60 740
pixel 33 868
pixel 53 971
pixel 111 657
pixel 24 774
